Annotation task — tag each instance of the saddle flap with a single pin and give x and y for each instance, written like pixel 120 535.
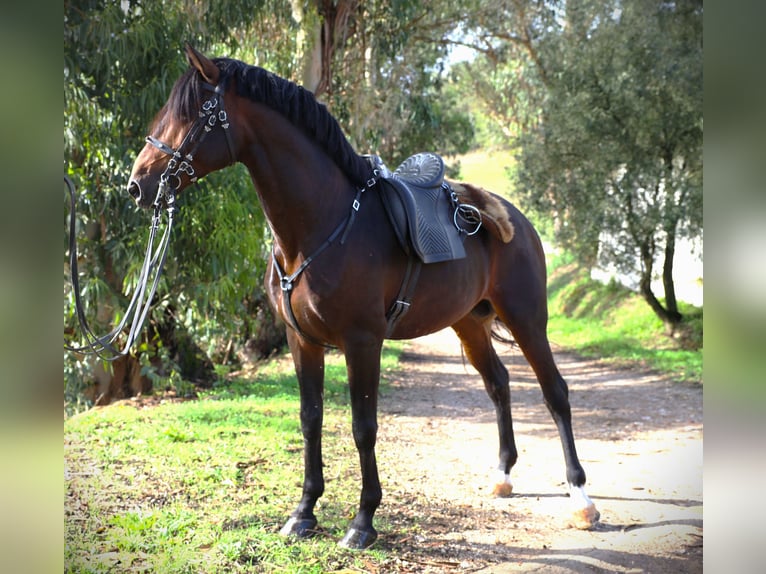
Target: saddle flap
pixel 420 209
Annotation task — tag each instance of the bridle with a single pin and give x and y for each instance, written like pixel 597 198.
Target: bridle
pixel 181 160
pixel 154 259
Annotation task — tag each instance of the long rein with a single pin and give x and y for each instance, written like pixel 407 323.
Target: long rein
pixel 141 302
pixel 154 258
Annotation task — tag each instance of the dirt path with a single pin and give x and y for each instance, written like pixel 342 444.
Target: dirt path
pixel 639 438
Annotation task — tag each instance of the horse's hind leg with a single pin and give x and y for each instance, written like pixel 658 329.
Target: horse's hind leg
pixel 527 318
pixel 474 332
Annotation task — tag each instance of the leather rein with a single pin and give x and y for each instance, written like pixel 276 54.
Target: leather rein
pixel 154 259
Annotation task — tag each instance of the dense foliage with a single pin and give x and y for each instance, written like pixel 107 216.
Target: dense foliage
pixel 603 101
pixel 120 61
pixel 618 153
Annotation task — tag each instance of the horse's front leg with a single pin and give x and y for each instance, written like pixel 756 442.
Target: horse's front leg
pixel 363 365
pixel 309 368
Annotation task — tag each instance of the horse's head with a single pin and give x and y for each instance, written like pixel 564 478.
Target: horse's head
pixel 190 136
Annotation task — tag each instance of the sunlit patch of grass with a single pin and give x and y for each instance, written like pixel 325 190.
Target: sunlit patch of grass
pixel 276 378
pixel 612 323
pixel 486 169
pixel 138 497
pixel 205 485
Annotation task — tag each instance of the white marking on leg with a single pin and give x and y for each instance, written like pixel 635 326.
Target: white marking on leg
pixel 584 513
pixel 579 497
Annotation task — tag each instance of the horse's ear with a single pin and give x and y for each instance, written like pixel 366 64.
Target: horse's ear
pixel 204 65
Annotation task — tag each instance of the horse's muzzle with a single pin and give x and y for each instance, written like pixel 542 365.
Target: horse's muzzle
pixel 141 198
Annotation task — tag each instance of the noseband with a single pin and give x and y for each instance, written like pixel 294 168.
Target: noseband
pixel 212 112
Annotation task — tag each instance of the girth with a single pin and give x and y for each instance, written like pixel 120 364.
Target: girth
pixel 422 209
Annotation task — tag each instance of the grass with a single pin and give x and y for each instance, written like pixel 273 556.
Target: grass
pixel 486 169
pixel 205 485
pixel 612 323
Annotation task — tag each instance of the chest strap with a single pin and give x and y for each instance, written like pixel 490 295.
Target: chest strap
pixel 403 299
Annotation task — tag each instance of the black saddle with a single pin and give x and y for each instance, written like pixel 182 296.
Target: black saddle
pixel 420 207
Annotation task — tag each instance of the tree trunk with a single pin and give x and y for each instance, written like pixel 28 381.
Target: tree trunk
pixel 335 20
pixel 671 303
pixel 670 227
pixel 645 287
pixel 269 334
pixel 308 44
pixel 193 362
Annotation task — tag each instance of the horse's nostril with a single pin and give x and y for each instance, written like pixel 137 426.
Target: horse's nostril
pixel 134 190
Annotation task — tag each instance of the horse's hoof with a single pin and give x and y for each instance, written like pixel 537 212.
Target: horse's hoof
pixel 358 539
pixel 585 518
pixel 299 527
pixel 502 490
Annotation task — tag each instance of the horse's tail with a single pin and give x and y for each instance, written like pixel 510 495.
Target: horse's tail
pixel 502 334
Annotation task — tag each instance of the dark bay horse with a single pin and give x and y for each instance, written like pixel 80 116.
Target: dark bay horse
pixel 332 292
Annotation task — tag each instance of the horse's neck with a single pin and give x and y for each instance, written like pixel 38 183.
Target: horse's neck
pixel 303 193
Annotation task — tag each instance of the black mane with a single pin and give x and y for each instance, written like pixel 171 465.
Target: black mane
pixel 292 101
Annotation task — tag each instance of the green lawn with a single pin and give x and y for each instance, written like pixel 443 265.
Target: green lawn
pixel 614 324
pixel 205 485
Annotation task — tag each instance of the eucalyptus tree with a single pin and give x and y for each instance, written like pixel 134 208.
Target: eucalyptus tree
pixel 507 77
pixel 380 67
pixel 120 61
